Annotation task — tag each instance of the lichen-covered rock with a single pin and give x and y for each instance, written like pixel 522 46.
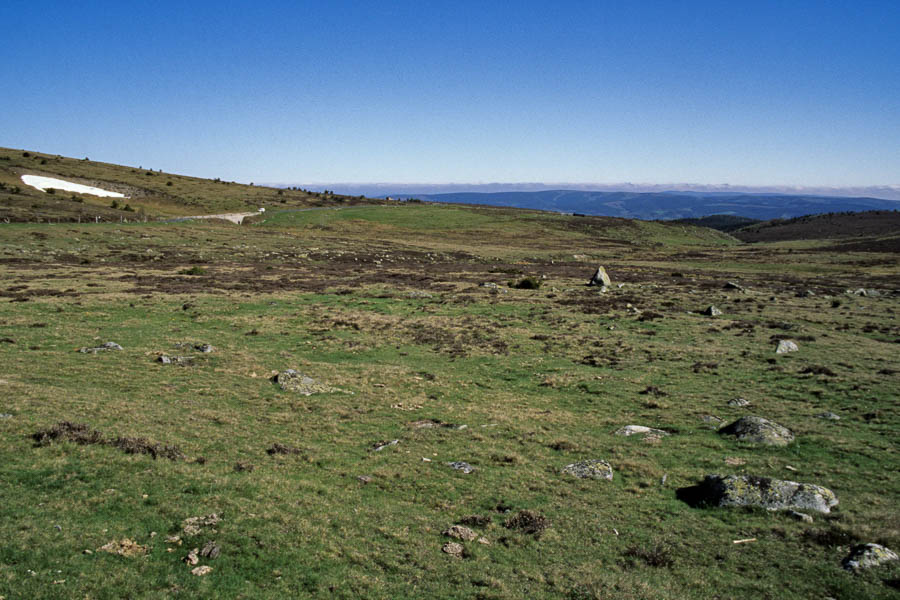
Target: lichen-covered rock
pixel 294 381
pixel 785 346
pixel 759 431
pixel 866 556
pixel 102 348
pixel 453 549
pixel 629 430
pixel 600 278
pixel 460 532
pixel 463 466
pixel 590 469
pixel 771 494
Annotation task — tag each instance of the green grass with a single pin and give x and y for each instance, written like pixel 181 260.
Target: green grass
pixel 541 378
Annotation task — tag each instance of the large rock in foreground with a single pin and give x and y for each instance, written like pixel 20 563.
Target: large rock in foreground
pixel 759 431
pixel 866 556
pixel 771 494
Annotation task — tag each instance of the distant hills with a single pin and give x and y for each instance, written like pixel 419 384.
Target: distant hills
pixel 667 205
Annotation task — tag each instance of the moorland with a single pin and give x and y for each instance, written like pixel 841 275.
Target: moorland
pixel 349 398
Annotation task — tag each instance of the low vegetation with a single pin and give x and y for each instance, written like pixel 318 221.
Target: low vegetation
pixel 427 459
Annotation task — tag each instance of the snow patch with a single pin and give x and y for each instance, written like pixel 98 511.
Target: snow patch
pixel 46 183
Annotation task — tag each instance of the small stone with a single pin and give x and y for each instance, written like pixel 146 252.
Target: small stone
pixel 738 402
pixel 600 278
pixel 866 556
pixel 210 550
pixel 461 533
pixel 379 446
pixel 194 525
pixel 5 416
pixel 461 466
pixel 201 571
pixel 730 285
pixel 124 547
pixel 192 557
pixel 712 311
pixel 629 430
pixel 590 469
pixel 800 516
pixel 453 549
pixel 293 381
pixel 785 346
pixel 830 416
pixel 484 540
pixel 204 348
pixel 713 421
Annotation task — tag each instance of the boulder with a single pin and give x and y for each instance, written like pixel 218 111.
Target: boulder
pixel 590 469
pixel 866 556
pixel 785 346
pixel 600 278
pixel 712 311
pixel 771 494
pixel 759 431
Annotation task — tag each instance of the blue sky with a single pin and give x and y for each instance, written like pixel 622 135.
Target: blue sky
pixel 751 93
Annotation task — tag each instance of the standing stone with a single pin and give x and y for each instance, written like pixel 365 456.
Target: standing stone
pixel 600 278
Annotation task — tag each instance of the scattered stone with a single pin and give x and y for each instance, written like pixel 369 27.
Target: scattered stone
pixel 211 550
pixel 771 494
pixel 830 416
pixel 866 556
pixel 461 533
pixel 712 311
pixel 528 521
pixel 629 430
pixel 174 360
pixel 202 570
pixel 243 466
pixel 102 348
pixel 590 469
pixel 293 381
pixel 738 402
pixel 365 478
pixel 453 549
pixel 195 525
pixel 462 466
pixel 600 278
pixel 759 431
pixel 730 285
pixel 785 346
pixel 124 547
pixel 800 516
pixel 192 557
pixel 379 446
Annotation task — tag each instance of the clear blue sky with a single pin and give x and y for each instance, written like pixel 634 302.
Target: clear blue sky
pixel 787 92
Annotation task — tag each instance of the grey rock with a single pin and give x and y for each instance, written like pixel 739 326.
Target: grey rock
pixel 6 416
pixel 382 445
pixel 490 285
pixel 102 348
pixel 418 294
pixel 730 285
pixel 460 532
pixel 590 469
pixel 461 466
pixel 738 402
pixel 785 346
pixel 712 311
pixel 629 430
pixel 453 549
pixel 600 278
pixel 175 360
pixel 294 381
pixel 828 415
pixel 759 431
pixel 866 556
pixel 713 421
pixel 204 348
pixel 771 494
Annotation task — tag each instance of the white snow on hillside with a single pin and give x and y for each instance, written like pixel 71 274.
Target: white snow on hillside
pixel 45 183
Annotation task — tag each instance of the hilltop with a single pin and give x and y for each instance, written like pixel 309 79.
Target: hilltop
pixel 150 193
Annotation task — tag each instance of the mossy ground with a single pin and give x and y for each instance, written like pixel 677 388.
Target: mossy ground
pixel 387 308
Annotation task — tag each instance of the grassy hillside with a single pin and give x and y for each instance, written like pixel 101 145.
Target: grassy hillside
pixel 151 193
pixel 877 229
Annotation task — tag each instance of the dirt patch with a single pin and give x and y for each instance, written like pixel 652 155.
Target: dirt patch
pixel 79 433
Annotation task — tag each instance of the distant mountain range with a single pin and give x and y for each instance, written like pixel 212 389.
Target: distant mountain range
pixel 665 205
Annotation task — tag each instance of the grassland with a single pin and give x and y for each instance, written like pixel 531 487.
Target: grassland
pixel 385 306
